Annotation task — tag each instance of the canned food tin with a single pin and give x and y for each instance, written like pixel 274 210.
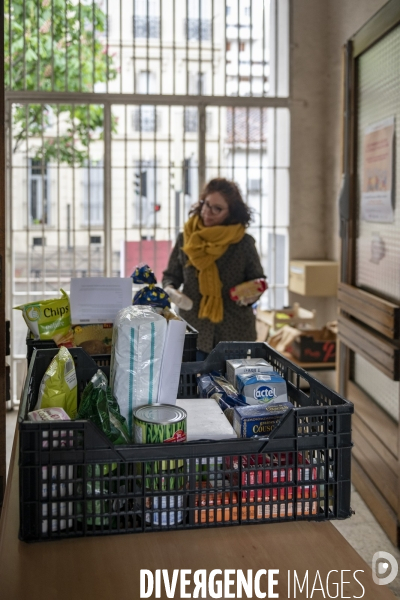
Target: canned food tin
pixel 159 424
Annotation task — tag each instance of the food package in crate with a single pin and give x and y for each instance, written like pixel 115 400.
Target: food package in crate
pixel 213 503
pixel 55 414
pixel 259 419
pixel 257 471
pixel 56 484
pixel 58 387
pixel 49 319
pixel 94 338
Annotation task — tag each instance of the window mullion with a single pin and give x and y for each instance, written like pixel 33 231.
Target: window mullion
pixel 202 146
pixel 107 224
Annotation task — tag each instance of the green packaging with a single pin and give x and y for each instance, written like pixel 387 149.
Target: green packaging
pixel 59 385
pixel 99 406
pixel 48 319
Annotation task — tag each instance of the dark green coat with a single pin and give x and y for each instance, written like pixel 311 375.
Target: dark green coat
pixel 239 263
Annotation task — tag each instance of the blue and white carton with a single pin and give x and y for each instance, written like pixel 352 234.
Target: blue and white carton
pixel 245 366
pixel 263 388
pixel 260 420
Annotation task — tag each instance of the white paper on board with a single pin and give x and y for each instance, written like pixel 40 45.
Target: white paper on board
pixel 98 299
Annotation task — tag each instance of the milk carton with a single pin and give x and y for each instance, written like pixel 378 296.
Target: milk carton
pixel 245 366
pixel 262 388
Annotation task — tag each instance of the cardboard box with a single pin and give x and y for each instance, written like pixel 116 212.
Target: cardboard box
pixel 318 345
pixel 313 277
pixel 268 321
pixel 171 361
pixel 94 338
pixel 244 366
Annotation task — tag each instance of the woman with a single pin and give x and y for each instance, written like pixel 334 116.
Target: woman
pixel 214 254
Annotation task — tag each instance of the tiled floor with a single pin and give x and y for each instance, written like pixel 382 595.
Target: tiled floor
pixel 362 531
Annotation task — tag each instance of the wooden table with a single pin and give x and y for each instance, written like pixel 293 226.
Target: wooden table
pixel 108 568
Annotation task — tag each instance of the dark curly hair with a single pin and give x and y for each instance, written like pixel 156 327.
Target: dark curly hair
pixel 239 212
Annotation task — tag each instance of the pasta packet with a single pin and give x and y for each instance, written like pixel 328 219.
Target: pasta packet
pixel 49 319
pixel 59 385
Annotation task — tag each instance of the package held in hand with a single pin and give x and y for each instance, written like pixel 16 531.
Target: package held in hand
pixel 137 349
pixel 248 289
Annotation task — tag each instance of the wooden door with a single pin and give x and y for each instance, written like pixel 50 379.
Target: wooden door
pixel 2 276
pixel 369 292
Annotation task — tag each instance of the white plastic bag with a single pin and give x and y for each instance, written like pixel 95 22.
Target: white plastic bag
pixel 137 349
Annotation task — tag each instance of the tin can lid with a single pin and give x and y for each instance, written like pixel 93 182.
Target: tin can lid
pixel 162 414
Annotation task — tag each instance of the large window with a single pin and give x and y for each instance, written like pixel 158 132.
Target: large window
pixel 93 193
pixel 146 20
pixel 185 90
pixel 38 189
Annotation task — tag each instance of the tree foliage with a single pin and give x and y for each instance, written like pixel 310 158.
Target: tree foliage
pixel 57 45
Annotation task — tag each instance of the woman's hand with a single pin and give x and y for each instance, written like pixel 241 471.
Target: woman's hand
pixel 248 301
pixel 181 300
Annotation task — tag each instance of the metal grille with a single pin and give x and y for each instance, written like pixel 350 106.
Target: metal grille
pixel 240 47
pixel 118 112
pixel 378 244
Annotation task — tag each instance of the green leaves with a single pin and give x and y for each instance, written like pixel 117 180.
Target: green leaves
pixel 57 45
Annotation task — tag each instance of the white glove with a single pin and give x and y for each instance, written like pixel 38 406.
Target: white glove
pixel 181 300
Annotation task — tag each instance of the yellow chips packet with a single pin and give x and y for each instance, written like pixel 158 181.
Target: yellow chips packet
pixel 48 319
pixel 59 385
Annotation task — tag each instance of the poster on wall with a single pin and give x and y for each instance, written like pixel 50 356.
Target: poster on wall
pixel 377 173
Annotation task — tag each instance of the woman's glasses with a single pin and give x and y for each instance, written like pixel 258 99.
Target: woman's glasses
pixel 213 208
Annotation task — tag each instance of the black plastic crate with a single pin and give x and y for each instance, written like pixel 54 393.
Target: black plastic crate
pixel 75 482
pixel 31 344
pixel 189 346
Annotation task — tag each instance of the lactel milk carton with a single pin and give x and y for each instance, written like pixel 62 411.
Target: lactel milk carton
pixel 260 420
pixel 262 388
pixel 245 366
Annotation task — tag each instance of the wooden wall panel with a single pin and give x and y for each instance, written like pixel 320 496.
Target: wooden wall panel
pixel 379 314
pixel 381 510
pixel 380 425
pixel 380 352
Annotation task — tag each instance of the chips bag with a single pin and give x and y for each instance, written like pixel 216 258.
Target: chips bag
pixel 48 319
pixel 59 384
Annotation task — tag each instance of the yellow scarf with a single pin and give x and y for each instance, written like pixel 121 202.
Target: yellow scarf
pixel 203 246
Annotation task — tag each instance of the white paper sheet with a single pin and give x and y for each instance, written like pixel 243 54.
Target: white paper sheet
pixel 205 420
pixel 98 299
pixel 377 172
pixel 171 362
